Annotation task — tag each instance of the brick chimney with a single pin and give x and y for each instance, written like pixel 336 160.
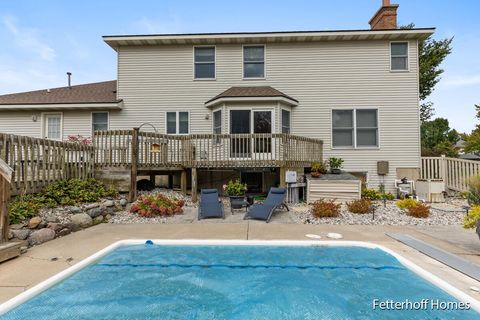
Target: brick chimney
pixel 385 18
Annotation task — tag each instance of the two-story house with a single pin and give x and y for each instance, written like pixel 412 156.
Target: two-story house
pixel 356 90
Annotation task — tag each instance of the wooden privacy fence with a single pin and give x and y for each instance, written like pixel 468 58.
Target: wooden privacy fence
pixel 114 148
pixel 5 179
pixel 455 172
pixel 38 162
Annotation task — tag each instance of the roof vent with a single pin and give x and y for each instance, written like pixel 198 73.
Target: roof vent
pixel 48 90
pixel 69 75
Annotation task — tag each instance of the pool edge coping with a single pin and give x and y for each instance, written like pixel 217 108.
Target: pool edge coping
pixel 53 280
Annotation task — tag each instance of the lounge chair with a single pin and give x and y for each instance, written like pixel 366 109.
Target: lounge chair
pixel 264 211
pixel 210 205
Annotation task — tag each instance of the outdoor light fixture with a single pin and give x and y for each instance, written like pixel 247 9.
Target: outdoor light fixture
pixel 207 116
pixel 34 118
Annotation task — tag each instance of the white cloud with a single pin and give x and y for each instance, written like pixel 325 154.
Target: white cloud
pixel 27 38
pixel 460 81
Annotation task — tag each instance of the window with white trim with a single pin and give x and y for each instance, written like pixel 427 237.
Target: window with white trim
pixel 254 61
pixel 399 56
pixel 204 61
pixel 217 122
pixel 177 122
pixel 355 128
pixel 285 121
pixel 99 121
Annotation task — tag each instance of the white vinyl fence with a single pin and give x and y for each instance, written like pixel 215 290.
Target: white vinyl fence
pixel 455 172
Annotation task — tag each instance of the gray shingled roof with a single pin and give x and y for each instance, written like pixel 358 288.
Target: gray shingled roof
pixel 239 92
pixel 99 92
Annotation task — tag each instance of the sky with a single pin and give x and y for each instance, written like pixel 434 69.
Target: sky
pixel 40 40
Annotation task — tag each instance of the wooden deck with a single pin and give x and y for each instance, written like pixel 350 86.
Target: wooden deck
pixel 160 151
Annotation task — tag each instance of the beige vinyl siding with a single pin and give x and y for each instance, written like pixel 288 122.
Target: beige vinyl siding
pixel 322 76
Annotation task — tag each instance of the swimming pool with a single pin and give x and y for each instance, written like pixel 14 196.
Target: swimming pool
pixel 238 280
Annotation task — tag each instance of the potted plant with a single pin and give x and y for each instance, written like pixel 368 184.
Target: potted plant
pixel 235 191
pixel 336 164
pixel 472 219
pixel 318 168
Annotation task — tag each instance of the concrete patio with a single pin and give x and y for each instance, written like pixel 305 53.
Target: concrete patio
pixel 44 261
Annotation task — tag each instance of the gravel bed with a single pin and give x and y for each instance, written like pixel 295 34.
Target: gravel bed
pixel 449 213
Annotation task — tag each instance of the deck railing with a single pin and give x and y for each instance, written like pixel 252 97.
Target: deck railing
pixel 38 162
pixel 455 172
pixel 114 148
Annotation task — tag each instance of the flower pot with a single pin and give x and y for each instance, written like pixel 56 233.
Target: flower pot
pixel 336 170
pixel 315 174
pixel 235 204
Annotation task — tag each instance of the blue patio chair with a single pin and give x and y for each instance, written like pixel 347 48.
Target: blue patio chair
pixel 264 211
pixel 210 205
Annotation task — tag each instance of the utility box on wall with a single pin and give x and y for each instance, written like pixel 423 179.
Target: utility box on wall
pixel 382 168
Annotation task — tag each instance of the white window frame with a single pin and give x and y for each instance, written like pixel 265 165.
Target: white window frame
pixel 355 146
pixel 91 120
pixel 289 120
pixel 408 55
pixel 214 63
pixel 264 62
pixel 177 122
pixel 43 126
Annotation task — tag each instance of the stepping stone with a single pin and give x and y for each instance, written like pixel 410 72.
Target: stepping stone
pixel 333 235
pixel 313 236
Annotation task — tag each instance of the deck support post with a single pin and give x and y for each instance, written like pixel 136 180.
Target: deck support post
pixel 194 185
pixel 170 181
pixel 132 195
pixel 283 171
pixel 152 178
pixel 183 181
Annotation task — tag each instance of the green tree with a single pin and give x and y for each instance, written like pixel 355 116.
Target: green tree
pixel 431 54
pixel 438 138
pixel 472 141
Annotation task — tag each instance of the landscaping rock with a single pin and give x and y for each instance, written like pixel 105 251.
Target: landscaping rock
pixel 82 219
pixel 74 210
pixel 91 206
pixel 110 211
pixel 95 212
pixel 63 232
pixel 40 236
pixel 108 217
pixel 73 227
pixel 34 222
pixel 16 226
pixel 98 220
pixel 109 203
pixel 10 234
pixel 55 226
pixel 21 234
pixel 51 218
pixel 123 202
pixel 23 250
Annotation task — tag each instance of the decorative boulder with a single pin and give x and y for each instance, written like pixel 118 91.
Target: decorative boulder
pixel 109 203
pixel 51 218
pixel 95 212
pixel 41 236
pixel 97 220
pixel 82 219
pixel 34 222
pixel 55 226
pixel 21 234
pixel 73 227
pixel 123 202
pixel 63 232
pixel 74 210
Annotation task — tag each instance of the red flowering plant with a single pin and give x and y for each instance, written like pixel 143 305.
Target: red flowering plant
pixel 79 139
pixel 157 205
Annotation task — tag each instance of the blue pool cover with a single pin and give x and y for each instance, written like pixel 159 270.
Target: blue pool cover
pixel 240 282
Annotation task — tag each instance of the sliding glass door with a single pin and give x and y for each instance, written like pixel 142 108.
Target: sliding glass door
pixel 246 122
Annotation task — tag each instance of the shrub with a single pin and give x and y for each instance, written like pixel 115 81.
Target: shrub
pixel 326 208
pixel 372 194
pixel 359 206
pixel 61 193
pixel 23 207
pixel 471 219
pixel 335 163
pixel 419 211
pixel 407 203
pixel 235 188
pixel 473 194
pixel 74 191
pixel 79 139
pixel 157 205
